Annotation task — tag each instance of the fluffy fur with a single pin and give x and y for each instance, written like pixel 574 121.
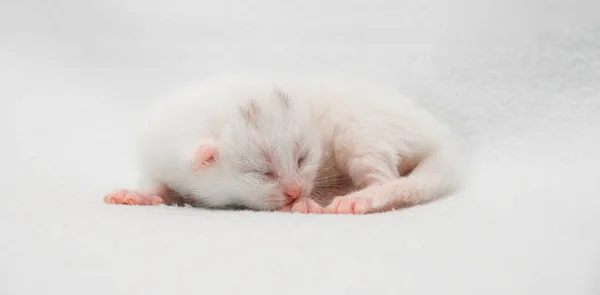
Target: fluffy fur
pixel 312 146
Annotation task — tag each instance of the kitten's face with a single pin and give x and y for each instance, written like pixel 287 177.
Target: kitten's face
pixel 269 174
pixel 269 156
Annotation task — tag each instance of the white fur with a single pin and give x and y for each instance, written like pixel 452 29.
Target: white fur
pixel 355 130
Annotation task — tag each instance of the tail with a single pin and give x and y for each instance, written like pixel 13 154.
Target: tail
pixel 436 176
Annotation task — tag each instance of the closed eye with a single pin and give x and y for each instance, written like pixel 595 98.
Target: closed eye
pixel 302 159
pixel 270 174
pixel 266 173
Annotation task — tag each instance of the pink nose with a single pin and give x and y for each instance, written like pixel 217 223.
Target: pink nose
pixel 293 190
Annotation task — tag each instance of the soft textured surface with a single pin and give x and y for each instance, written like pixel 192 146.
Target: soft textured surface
pixel 518 80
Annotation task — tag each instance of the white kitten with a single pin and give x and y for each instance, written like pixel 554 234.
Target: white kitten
pixel 293 146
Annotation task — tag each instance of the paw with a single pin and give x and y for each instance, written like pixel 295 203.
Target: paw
pixel 125 197
pixel 350 204
pixel 304 205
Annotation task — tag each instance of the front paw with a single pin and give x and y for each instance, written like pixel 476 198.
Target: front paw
pixel 304 205
pixel 351 204
pixel 126 197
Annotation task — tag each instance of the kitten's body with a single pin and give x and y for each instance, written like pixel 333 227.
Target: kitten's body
pixel 372 149
pixel 383 146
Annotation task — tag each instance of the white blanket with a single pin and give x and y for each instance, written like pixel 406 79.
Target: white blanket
pixel 519 81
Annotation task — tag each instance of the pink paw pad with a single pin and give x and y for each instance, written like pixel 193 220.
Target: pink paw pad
pixel 349 205
pixel 124 197
pixel 305 206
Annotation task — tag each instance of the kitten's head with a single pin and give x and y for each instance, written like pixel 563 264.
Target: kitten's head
pixel 266 157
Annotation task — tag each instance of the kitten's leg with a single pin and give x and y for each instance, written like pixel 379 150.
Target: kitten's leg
pixel 149 193
pixel 156 193
pixel 367 170
pixel 384 189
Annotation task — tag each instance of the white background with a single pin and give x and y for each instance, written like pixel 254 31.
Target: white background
pixel 519 81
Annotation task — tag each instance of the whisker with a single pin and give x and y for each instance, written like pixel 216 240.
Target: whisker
pixel 322 170
pixel 330 183
pixel 331 164
pixel 332 173
pixel 328 177
pixel 326 183
pixel 325 193
pixel 333 188
pixel 320 195
pixel 328 180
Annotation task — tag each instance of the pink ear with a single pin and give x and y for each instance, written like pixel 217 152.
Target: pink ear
pixel 204 157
